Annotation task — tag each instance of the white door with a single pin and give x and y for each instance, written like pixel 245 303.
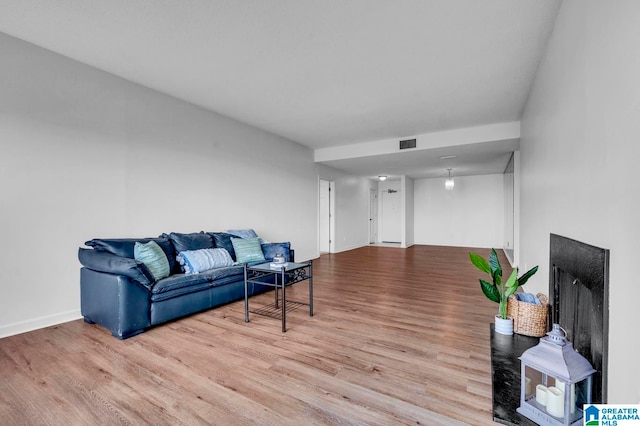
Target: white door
pixel 324 216
pixel 373 216
pixel 391 217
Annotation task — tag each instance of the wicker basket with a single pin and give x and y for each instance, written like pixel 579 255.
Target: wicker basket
pixel 528 318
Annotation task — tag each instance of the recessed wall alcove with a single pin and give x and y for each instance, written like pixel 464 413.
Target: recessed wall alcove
pixel 579 295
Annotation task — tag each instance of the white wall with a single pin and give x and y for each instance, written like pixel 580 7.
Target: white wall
pixel 471 215
pixel 351 208
pixel 517 173
pixel 509 210
pixel 85 154
pixel 408 225
pixel 579 155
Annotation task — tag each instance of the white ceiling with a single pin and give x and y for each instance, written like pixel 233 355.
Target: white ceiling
pixel 471 159
pixel 323 73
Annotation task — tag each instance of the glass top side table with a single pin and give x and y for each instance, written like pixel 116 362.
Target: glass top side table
pixel 282 277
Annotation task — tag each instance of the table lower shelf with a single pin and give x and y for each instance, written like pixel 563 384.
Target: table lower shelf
pixel 280 279
pixel 270 310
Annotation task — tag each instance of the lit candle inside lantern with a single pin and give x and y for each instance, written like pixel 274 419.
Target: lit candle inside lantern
pixel 555 401
pixel 541 394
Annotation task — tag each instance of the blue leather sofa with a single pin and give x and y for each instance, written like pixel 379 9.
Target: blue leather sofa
pixel 120 294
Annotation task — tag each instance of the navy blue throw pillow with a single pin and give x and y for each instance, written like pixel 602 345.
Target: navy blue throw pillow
pixel 271 249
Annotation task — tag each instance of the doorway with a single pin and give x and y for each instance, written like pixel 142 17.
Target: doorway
pixel 391 219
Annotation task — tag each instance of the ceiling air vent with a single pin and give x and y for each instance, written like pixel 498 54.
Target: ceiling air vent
pixel 408 143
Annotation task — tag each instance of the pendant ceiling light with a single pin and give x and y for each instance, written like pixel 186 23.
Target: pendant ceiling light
pixel 449 183
pixel 382 178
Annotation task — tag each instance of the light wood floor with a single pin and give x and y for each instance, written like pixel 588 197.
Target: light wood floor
pixel 398 337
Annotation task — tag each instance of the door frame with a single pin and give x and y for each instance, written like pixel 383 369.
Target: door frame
pixel 373 216
pixel 332 215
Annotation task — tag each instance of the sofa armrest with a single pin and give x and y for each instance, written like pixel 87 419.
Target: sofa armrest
pixel 102 261
pixel 115 302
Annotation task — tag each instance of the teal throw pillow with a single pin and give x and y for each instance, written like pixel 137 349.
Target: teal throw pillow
pixel 153 257
pixel 247 250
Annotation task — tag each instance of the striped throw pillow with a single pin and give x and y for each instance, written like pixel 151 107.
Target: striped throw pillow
pixel 247 250
pixel 153 257
pixel 196 261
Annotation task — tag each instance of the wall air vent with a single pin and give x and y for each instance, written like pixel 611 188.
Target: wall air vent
pixel 408 143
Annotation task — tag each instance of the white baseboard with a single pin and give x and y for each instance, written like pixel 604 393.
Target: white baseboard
pixel 350 248
pixel 41 322
pixel 357 246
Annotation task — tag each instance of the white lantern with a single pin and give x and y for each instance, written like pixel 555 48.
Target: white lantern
pixel 555 381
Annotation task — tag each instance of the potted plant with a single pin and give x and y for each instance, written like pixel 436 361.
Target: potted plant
pixel 497 290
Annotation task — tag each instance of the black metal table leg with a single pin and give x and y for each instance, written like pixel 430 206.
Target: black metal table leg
pixel 246 295
pixel 284 302
pixel 310 288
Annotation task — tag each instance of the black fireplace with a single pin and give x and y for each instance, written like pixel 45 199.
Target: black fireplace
pixel 579 295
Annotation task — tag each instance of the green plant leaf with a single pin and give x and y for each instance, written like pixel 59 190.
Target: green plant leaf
pixel 497 278
pixel 490 290
pixel 510 291
pixel 494 262
pixel 480 262
pixel 525 277
pixel 512 282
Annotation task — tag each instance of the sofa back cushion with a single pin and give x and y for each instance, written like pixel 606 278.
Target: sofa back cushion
pixel 124 247
pixel 243 233
pixel 192 241
pixel 223 240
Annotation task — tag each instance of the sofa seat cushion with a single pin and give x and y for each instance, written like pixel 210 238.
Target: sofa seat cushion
pixel 180 284
pixel 181 281
pixel 220 273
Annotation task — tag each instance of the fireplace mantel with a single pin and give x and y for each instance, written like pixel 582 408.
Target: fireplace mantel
pixel 505 374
